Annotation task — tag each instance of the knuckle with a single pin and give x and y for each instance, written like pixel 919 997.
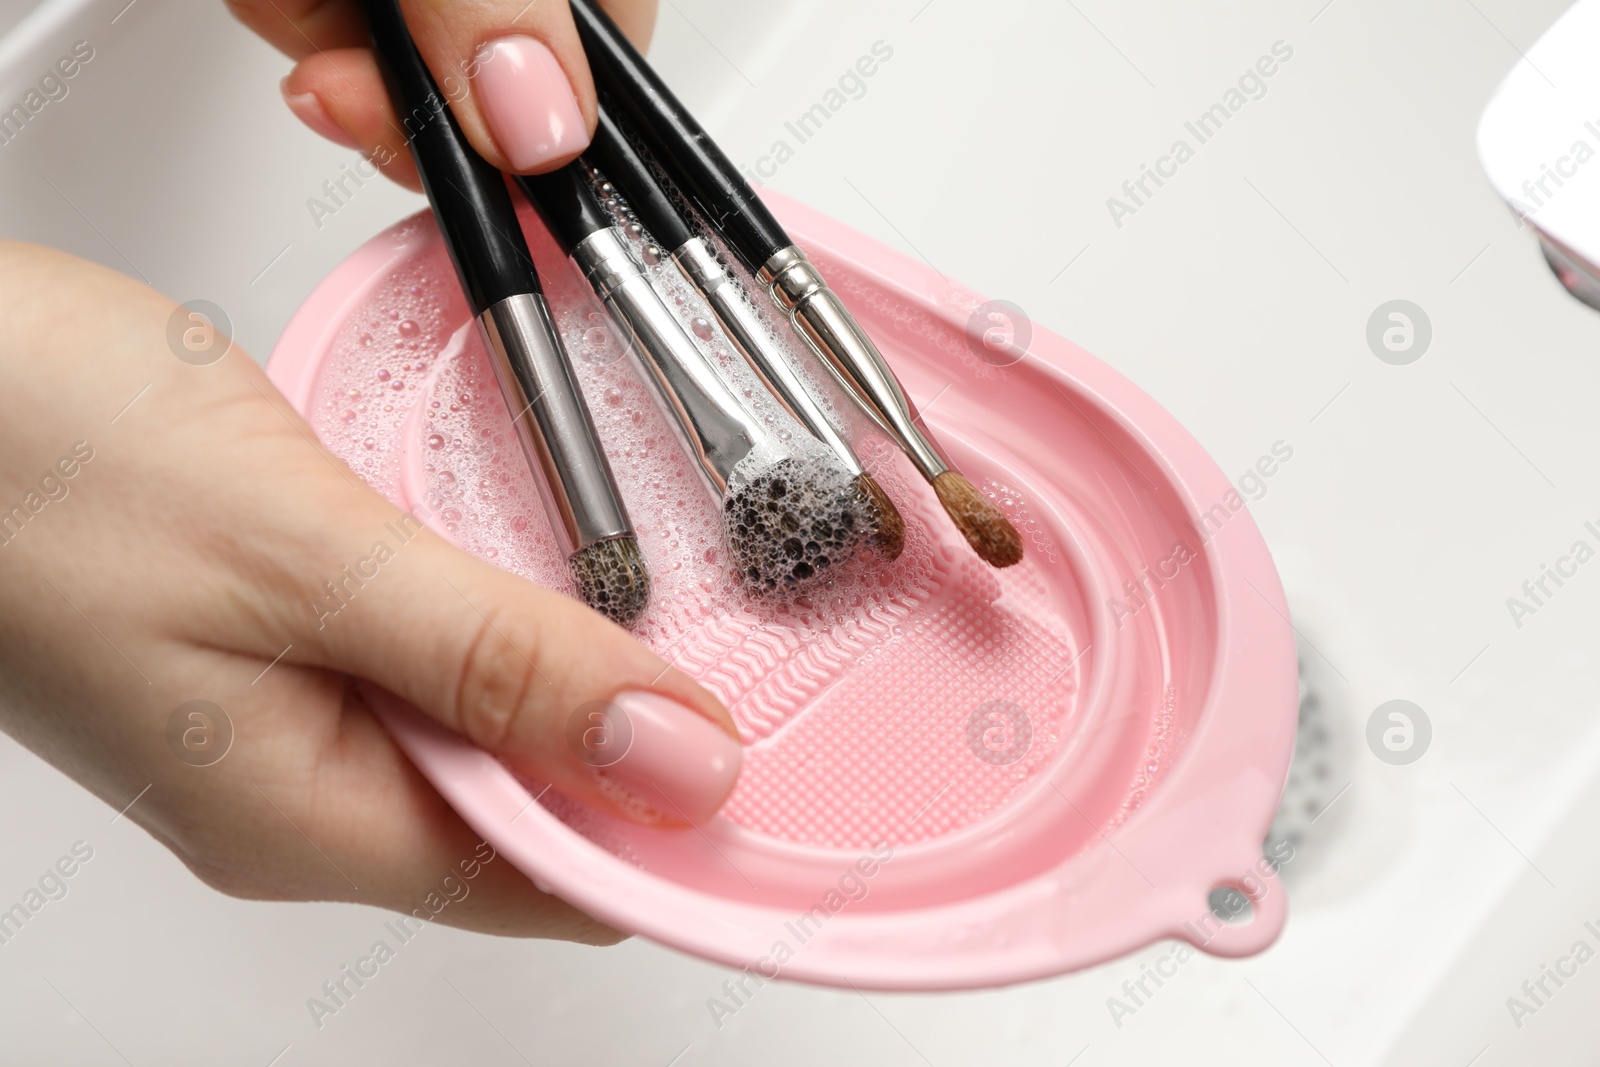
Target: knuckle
pixel 219 867
pixel 228 880
pixel 599 935
pixel 270 863
pixel 498 676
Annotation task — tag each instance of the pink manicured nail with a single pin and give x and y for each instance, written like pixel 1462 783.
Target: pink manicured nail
pixel 674 759
pixel 309 110
pixel 528 102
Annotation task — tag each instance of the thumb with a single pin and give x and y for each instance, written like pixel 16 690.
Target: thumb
pixel 553 689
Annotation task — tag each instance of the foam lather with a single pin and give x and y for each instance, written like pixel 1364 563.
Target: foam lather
pixel 791 519
pixel 610 576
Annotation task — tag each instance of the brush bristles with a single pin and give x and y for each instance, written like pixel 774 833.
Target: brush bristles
pixel 990 533
pixel 611 578
pixel 791 521
pixel 889 533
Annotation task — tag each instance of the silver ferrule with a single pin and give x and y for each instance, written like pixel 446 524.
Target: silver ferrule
pixel 697 262
pixel 553 422
pixel 822 319
pixel 715 425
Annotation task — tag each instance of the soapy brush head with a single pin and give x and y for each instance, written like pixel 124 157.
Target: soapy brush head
pixel 990 533
pixel 791 519
pixel 889 533
pixel 610 577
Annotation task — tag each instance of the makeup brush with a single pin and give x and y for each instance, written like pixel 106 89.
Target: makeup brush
pixel 789 513
pixel 727 202
pixel 619 162
pixel 552 422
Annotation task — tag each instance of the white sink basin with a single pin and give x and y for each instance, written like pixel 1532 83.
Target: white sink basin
pixel 1418 499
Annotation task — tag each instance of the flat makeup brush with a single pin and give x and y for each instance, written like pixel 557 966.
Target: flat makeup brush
pixel 725 199
pixel 616 158
pixel 789 513
pixel 553 423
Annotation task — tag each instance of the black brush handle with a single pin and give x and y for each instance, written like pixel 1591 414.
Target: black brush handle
pixel 678 142
pixel 567 202
pixel 619 161
pixel 468 195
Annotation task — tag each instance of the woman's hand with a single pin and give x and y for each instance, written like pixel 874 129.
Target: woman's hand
pixel 513 71
pixel 166 531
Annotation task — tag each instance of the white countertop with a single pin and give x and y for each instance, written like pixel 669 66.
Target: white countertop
pixel 1419 498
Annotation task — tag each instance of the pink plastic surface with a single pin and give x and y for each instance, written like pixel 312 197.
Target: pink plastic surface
pixel 1059 765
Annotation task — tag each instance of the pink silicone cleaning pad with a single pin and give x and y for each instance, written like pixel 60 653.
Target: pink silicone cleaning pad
pixel 954 776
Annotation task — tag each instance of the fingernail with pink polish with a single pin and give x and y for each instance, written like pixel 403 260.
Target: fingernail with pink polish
pixel 528 102
pixel 675 759
pixel 309 110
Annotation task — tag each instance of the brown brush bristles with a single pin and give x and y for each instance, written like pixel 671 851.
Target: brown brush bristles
pixel 890 537
pixel 990 533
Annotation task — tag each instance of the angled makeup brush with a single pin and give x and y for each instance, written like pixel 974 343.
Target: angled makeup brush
pixel 789 513
pixel 553 423
pixel 617 159
pixel 694 162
